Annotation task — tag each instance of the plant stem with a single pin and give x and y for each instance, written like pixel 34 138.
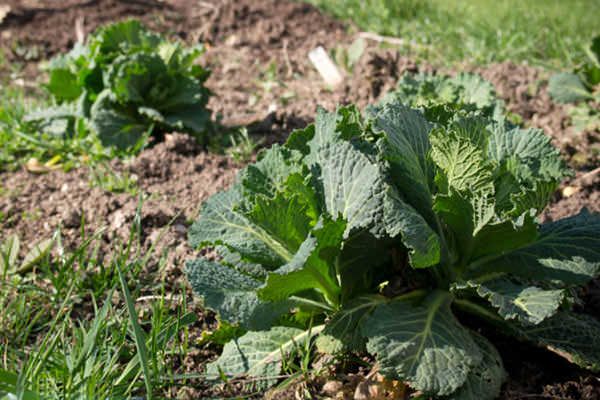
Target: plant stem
pixel 312 303
pixel 476 309
pixel 411 295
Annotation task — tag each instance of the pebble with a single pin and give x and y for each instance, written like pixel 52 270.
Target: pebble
pixel 331 388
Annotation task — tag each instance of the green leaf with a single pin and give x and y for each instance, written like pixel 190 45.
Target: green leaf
pixel 567 250
pixel 35 255
pixel 64 85
pixel 529 148
pixel 9 251
pixel 233 295
pixel 355 186
pixel 462 94
pixel 362 263
pixel 351 185
pixel 57 120
pixel 299 138
pixel 405 145
pixel 346 324
pixel 222 223
pixel 321 134
pixel 270 173
pixel 497 238
pixel 258 355
pixel 132 77
pixel 467 215
pixel 115 124
pixel 9 383
pixel 529 169
pixel 310 268
pixel 462 164
pixel 485 380
pixel 422 344
pixel 473 89
pixel 138 334
pixel 528 304
pixel 286 218
pixel 567 88
pixel 235 260
pixel 575 337
pixel 194 118
pixel 124 36
pixel 422 241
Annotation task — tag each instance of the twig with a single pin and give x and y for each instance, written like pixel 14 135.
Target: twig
pixel 206 4
pixel 174 298
pixel 588 174
pixel 380 38
pixel 286 57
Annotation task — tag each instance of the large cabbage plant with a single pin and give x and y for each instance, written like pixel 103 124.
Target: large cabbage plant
pixel 381 232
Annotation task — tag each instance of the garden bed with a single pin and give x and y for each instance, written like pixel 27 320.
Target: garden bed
pixel 261 78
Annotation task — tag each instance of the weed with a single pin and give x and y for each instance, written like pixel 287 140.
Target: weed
pixel 67 333
pixel 242 146
pixel 104 176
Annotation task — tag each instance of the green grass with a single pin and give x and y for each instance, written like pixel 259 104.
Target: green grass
pixel 20 140
pixel 549 33
pixel 73 325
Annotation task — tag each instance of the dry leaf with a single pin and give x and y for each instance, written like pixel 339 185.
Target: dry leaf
pixel 569 191
pixel 35 166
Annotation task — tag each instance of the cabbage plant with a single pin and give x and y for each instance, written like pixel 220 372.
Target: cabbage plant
pixel 127 83
pixel 381 232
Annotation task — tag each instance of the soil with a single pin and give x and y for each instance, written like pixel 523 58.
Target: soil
pixel 261 76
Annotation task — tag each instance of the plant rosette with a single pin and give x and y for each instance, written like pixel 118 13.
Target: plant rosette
pixel 374 232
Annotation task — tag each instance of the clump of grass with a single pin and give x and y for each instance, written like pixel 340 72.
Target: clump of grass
pixel 104 176
pixel 549 33
pixel 74 325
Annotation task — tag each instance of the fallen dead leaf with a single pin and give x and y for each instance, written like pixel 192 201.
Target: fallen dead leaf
pixel 569 191
pixel 378 387
pixel 35 166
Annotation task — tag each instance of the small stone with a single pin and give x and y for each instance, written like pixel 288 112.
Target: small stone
pixel 331 388
pixel 366 391
pixel 569 191
pixel 154 236
pixel 231 41
pixel 180 229
pixel 118 220
pixel 71 218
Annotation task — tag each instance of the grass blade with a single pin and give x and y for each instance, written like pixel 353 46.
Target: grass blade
pixel 140 338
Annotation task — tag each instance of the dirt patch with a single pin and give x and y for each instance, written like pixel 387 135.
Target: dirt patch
pixel 261 77
pixel 56 24
pixel 173 177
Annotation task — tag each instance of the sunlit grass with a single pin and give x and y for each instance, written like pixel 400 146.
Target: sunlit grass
pixel 549 33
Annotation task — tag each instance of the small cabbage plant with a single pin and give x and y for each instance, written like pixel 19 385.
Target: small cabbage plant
pixel 381 232
pixel 441 96
pixel 126 83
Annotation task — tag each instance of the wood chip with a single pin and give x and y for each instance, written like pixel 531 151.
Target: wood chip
pixel 326 67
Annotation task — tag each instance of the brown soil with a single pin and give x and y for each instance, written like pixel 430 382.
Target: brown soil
pixel 257 51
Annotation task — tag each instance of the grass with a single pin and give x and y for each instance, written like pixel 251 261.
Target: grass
pixel 548 33
pixel 73 324
pixel 21 141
